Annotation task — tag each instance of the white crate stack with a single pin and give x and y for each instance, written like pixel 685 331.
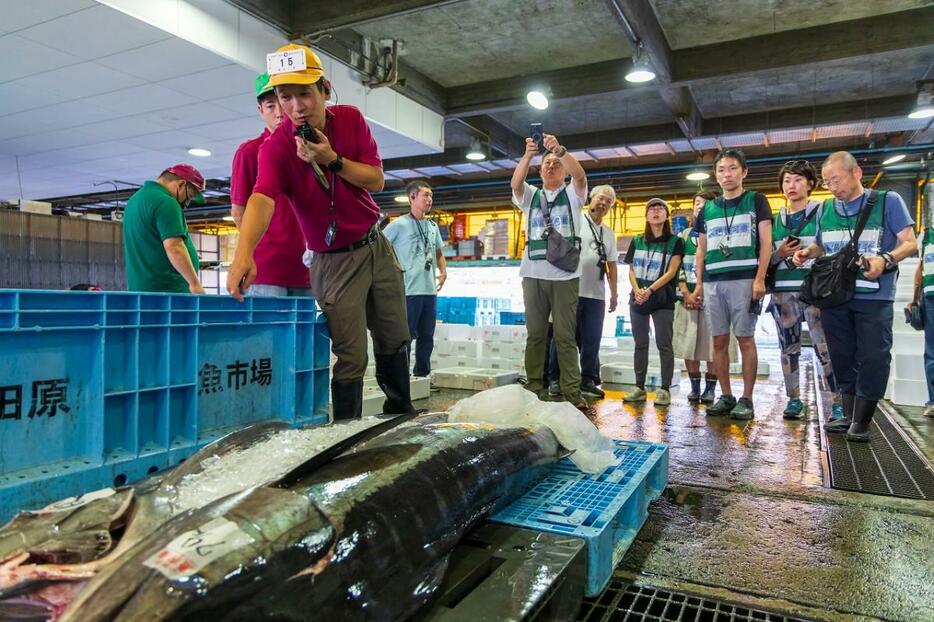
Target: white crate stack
pixel 907 380
pixel 477 357
pixel 495 237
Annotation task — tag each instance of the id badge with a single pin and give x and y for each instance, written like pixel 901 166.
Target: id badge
pixel 725 250
pixel 330 234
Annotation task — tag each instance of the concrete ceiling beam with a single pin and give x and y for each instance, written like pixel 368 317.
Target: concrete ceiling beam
pixel 315 18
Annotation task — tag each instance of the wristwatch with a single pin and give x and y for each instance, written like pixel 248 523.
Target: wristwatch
pixel 890 264
pixel 337 164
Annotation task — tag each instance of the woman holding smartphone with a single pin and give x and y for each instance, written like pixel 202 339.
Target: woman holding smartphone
pixel 654 259
pixel 794 228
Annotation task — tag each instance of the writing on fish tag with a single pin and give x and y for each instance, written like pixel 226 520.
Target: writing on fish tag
pixel 195 549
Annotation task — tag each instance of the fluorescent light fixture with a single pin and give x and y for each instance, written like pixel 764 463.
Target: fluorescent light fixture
pixel 400 198
pixel 898 157
pixel 199 152
pixel 537 100
pixel 697 176
pixel 922 112
pixel 476 152
pixel 227 218
pixel 641 69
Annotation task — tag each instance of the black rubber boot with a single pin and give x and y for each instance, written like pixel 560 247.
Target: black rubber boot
pixel 392 375
pixel 347 400
pixel 842 425
pixel 863 410
pixel 694 395
pixel 710 389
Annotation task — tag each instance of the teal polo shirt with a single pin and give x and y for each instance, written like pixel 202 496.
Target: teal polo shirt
pixel 152 215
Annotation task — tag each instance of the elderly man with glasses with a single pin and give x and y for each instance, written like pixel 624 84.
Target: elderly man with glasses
pixel 159 254
pixel 859 331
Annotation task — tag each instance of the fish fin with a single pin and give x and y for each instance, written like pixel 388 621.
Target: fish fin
pixel 324 457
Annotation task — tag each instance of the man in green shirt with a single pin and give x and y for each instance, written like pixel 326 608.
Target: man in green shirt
pixel 159 254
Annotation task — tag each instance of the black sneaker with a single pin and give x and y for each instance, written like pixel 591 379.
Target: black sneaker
pixel 591 390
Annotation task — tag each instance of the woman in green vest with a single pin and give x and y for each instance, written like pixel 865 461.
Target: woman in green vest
pixel 693 341
pixel 924 296
pixel 654 259
pixel 793 228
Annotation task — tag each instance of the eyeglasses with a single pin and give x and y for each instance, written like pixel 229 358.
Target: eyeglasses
pixel 827 184
pixel 656 208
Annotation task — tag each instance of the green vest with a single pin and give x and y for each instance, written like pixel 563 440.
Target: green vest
pixel 689 261
pixel 647 259
pixel 788 277
pixel 836 230
pixel 561 219
pixel 735 229
pixel 927 258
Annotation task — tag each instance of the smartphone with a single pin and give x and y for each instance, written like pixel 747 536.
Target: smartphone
pixel 755 306
pixel 537 134
pixel 793 239
pixel 307 133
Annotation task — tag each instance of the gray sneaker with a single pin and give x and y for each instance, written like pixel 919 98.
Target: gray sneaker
pixel 662 398
pixel 635 396
pixel 554 389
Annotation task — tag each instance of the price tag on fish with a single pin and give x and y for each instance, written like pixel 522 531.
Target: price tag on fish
pixel 195 549
pixel 73 503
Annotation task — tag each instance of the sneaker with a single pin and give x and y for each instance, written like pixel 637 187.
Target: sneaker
pixel 591 390
pixel 709 394
pixel 554 389
pixel 929 411
pixel 836 412
pixel 743 409
pixel 795 409
pixel 662 398
pixel 635 396
pixel 723 407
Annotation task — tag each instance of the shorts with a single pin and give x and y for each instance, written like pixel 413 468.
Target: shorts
pixel 726 306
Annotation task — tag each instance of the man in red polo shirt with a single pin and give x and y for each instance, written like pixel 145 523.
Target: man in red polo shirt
pixel 328 174
pixel 279 267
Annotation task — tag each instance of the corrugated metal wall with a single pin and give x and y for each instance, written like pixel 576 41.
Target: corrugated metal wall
pixel 57 252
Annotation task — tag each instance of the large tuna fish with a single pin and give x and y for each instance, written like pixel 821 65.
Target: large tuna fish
pixel 366 537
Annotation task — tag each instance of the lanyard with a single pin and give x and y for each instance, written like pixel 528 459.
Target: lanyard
pixel 729 221
pixel 421 233
pixel 601 248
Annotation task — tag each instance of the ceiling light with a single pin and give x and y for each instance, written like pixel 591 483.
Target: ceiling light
pixel 199 152
pixel 698 176
pixel 228 218
pixel 924 104
pixel 400 198
pixel 537 100
pixel 641 69
pixel 895 158
pixel 476 152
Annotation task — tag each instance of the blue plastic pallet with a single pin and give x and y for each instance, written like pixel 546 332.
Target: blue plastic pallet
pixel 101 388
pixel 605 510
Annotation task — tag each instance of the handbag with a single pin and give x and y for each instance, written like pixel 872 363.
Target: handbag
pixel 773 267
pixel 831 281
pixel 661 298
pixel 559 252
pixel 914 316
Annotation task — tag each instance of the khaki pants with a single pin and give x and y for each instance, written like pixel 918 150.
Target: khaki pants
pixel 557 299
pixel 357 290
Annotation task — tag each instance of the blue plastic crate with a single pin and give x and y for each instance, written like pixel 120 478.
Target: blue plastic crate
pixel 605 510
pixel 101 388
pixel 512 318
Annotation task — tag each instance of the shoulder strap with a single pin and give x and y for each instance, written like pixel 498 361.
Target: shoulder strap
pixel 807 218
pixel 864 217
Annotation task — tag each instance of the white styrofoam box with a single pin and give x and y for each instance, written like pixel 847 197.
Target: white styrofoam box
pixel 736 369
pixel 910 392
pixel 495 362
pixel 889 387
pixel 616 373
pixel 462 348
pixel 502 333
pixel 453 332
pixel 473 379
pixel 420 388
pixel 455 361
pixel 908 343
pixel 503 349
pixel 909 367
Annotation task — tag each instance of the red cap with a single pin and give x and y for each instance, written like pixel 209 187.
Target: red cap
pixel 191 175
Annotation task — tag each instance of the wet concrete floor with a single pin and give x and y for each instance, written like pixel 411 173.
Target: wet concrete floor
pixel 749 517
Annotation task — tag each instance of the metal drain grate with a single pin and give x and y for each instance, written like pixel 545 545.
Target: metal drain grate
pixel 888 465
pixel 627 602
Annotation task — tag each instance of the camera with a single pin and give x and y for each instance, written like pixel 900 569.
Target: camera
pixel 307 133
pixel 546 232
pixel 601 267
pixel 855 263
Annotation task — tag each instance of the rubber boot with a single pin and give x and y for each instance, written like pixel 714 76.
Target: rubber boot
pixel 863 410
pixel 842 425
pixel 710 389
pixel 694 395
pixel 346 400
pixel 392 375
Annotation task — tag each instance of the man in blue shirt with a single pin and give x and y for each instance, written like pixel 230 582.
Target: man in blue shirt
pixel 418 246
pixel 859 332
